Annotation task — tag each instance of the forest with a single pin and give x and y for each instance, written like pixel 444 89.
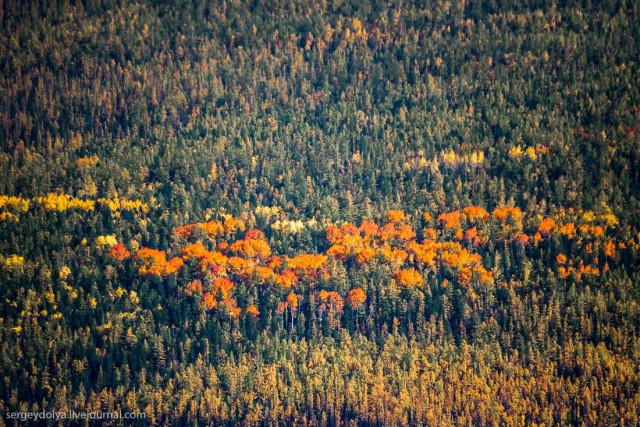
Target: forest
pixel 327 212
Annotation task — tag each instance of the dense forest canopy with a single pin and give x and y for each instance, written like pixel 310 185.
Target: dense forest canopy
pixel 328 212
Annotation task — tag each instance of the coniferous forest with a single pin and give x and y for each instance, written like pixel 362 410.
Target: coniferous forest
pixel 332 212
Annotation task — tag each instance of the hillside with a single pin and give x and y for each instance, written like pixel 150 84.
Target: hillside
pixel 321 213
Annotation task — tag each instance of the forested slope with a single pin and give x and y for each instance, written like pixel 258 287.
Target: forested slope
pixel 332 212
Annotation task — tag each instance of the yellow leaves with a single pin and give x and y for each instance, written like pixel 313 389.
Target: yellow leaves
pixel 530 152
pixel 13 263
pixel 486 277
pixel 8 216
pixel 515 152
pixel 133 297
pixel 395 256
pixel 14 204
pixel 610 220
pixel 266 211
pixel 424 253
pixel 106 241
pixel 365 255
pixel 116 204
pixel 87 161
pixel 286 226
pixel 104 327
pixel 209 301
pixel 93 303
pixel 358 29
pixel 63 202
pixel 450 158
pixel 64 273
pixel 476 158
pixel 263 274
pixel 588 217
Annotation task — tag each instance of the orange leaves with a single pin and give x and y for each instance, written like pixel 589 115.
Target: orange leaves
pixel 610 248
pixel 293 302
pixel 263 273
pixel 286 279
pixel 394 216
pixel 547 226
pixel 561 259
pixel 209 301
pixel 254 234
pixel 119 252
pixel 475 213
pixel 461 258
pixel 395 256
pixel 356 298
pixel 332 303
pixel 409 277
pixel 486 277
pixel 172 266
pixel 231 225
pixel 365 255
pixel 471 234
pixel 503 213
pixel 222 286
pixel 241 266
pixel 251 248
pixel 214 229
pixel 424 253
pixel 521 238
pixel 151 256
pixel 211 228
pixel 368 228
pixel 194 287
pixel 450 220
pixel 213 260
pixel 568 230
pixel 154 262
pixel 338 251
pixel 307 262
pixel 597 231
pixel 252 310
pixel 194 250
